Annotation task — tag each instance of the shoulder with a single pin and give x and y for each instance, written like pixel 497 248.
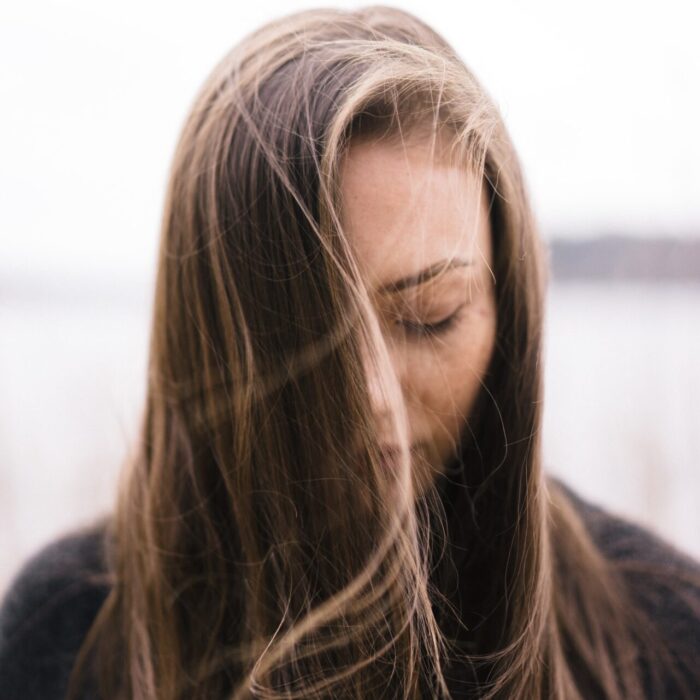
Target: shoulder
pixel 662 581
pixel 626 542
pixel 47 610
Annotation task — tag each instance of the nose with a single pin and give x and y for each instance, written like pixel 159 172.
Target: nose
pixel 376 388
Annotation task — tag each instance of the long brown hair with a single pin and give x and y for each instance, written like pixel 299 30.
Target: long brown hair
pixel 250 555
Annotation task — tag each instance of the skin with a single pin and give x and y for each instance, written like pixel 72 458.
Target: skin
pixel 402 211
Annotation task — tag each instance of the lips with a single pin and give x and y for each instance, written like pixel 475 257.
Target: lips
pixel 390 457
pixel 389 454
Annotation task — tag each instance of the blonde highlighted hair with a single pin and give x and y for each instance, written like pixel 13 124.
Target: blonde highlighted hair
pixel 251 554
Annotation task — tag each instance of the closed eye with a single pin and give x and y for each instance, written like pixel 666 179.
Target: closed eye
pixel 419 330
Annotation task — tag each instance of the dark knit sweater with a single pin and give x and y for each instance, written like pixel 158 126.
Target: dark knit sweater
pixel 54 598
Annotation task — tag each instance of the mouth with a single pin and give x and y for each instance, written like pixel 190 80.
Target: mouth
pixel 390 455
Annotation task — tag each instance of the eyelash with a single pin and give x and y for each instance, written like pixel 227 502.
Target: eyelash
pixel 428 330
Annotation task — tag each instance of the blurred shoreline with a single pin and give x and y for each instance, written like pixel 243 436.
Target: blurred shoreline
pixel 610 258
pixel 614 258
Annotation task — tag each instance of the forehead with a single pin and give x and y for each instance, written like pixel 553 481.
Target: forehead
pixel 402 209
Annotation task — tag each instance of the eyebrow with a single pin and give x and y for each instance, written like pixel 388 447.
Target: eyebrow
pixel 424 275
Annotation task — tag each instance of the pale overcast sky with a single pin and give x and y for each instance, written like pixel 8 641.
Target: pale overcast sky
pixel 602 99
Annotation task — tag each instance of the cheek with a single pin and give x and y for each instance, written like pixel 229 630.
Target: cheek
pixel 447 377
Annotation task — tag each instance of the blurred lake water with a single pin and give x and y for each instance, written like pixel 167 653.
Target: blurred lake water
pixel 621 418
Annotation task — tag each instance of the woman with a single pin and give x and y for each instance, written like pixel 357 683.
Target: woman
pixel 338 489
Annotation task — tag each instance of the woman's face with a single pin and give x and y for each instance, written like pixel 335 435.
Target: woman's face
pixel 405 213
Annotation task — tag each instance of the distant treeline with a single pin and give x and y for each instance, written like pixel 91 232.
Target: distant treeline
pixel 626 258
